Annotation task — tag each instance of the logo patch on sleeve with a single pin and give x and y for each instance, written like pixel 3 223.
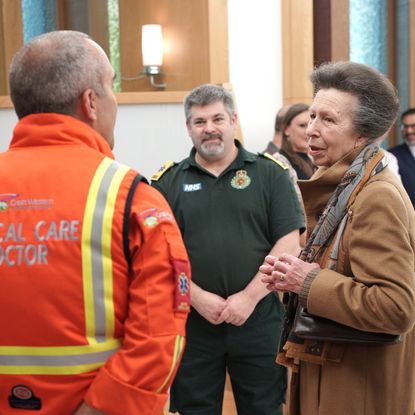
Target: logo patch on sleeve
pixel 182 285
pixel 152 217
pixel 22 397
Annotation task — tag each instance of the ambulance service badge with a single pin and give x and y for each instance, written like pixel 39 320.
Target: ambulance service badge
pixel 241 180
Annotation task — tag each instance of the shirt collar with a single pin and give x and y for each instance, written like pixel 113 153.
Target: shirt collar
pixel 242 157
pixel 411 148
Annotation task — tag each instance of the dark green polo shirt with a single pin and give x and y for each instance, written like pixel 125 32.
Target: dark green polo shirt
pixel 230 223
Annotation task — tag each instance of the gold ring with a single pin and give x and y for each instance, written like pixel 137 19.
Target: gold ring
pixel 282 277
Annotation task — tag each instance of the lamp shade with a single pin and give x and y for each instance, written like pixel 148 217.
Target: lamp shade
pixel 152 45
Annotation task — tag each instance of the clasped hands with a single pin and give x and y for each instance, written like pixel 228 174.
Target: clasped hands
pixel 235 310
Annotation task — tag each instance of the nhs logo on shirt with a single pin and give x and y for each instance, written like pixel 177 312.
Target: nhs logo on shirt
pixel 194 187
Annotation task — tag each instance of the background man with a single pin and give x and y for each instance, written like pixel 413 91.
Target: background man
pixel 233 207
pixel 405 152
pixel 90 256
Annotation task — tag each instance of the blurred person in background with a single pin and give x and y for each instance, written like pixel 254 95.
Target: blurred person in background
pixel 405 152
pixel 294 144
pixel 275 145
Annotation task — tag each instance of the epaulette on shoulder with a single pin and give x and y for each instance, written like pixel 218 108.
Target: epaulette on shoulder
pixel 280 163
pixel 166 166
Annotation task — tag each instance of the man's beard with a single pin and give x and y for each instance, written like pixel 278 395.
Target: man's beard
pixel 210 149
pixel 410 139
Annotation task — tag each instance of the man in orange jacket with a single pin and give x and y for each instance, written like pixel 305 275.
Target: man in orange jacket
pixel 94 276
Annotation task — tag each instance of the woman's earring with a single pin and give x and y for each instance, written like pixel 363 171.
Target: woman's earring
pixel 357 143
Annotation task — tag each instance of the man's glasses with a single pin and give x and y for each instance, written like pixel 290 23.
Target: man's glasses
pixel 408 126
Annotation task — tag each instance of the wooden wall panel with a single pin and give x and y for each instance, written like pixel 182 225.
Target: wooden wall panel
pixel 412 53
pixel 98 23
pixel 11 38
pixel 322 31
pixel 340 50
pixel 331 31
pixel 89 16
pixel 195 34
pixel 391 58
pixel 195 39
pixel 297 35
pixel 3 69
pixel 392 138
pixel 218 41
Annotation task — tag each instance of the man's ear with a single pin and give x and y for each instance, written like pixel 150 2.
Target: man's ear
pixel 88 105
pixel 235 120
pixel 188 126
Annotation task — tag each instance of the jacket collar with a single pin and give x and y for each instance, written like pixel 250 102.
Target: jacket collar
pixel 318 189
pixel 57 129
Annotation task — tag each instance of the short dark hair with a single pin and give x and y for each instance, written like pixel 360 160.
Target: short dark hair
pixel 279 118
pixel 207 94
pixel 409 111
pixel 378 102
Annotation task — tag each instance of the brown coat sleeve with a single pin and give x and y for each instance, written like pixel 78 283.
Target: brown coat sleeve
pixel 374 289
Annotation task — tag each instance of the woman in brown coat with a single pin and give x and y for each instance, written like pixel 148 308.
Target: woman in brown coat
pixel 357 268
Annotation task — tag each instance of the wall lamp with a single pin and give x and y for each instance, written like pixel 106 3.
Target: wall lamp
pixel 152 53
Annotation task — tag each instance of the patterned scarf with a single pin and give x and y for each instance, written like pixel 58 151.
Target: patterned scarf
pixel 325 238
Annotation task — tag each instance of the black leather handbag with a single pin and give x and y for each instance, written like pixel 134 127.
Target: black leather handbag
pixel 309 327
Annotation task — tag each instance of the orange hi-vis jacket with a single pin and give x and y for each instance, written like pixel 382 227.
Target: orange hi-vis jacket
pixel 94 277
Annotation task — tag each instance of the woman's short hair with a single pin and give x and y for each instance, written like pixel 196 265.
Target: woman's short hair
pixel 378 100
pixel 208 94
pixel 51 72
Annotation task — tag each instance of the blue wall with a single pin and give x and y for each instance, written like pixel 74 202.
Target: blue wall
pixel 39 16
pixel 368 33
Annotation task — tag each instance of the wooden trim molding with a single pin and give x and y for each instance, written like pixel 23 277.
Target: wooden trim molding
pixel 322 31
pixel 156 97
pixel 392 137
pixel 339 18
pixel 218 41
pixel 5 102
pixel 411 35
pixel 297 50
pixel 331 31
pixel 11 37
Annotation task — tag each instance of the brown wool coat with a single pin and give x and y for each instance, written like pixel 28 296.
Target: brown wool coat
pixel 377 251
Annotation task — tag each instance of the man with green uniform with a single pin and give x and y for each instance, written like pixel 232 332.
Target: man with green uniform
pixel 233 208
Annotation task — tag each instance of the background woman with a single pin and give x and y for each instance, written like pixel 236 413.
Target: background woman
pixel 295 141
pixel 358 265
